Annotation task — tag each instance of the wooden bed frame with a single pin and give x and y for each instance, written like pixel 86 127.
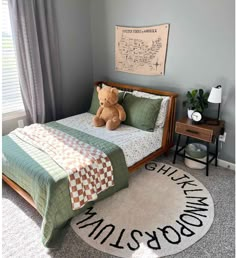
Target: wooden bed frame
pixel 167 140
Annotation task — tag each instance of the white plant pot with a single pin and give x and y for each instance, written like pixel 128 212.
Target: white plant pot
pixel 190 112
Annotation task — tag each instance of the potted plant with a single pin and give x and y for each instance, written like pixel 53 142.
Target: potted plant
pixel 196 101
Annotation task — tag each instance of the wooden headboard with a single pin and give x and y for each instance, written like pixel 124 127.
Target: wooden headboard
pixel 168 131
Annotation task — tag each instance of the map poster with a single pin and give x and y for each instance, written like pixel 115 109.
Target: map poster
pixel 141 50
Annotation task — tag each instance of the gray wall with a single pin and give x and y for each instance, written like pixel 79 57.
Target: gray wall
pixel 75 52
pixel 11 122
pixel 200 49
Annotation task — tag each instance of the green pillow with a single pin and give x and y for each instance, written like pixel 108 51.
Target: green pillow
pixel 95 103
pixel 141 112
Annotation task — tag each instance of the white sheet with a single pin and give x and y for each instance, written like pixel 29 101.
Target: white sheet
pixel 135 143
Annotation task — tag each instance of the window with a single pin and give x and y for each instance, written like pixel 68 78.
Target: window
pixel 11 94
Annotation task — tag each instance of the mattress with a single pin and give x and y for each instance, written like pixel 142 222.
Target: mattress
pixel 135 143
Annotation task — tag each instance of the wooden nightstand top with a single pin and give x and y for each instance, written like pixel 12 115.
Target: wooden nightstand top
pixel 203 132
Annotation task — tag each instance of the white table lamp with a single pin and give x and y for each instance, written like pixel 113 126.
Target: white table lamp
pixel 216 97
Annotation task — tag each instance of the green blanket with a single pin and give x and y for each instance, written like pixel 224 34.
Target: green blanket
pixel 47 183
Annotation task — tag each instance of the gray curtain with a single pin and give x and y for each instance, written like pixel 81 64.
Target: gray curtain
pixel 36 41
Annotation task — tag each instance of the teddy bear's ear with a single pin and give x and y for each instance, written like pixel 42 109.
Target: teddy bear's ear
pixel 114 90
pixel 98 88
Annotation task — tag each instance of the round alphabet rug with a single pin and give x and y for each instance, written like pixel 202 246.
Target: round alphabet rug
pixel 162 212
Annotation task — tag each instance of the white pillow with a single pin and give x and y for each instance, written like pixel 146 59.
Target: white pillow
pixel 164 105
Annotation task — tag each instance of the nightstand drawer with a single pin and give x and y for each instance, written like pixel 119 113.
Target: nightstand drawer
pixel 194 132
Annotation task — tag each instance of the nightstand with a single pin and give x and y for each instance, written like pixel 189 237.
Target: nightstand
pixel 206 133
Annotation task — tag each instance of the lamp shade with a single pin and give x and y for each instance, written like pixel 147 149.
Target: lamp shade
pixel 215 94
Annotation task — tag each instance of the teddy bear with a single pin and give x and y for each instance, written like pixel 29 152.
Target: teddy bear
pixel 110 113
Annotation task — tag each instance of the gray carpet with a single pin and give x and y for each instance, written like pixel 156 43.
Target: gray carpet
pixel 21 230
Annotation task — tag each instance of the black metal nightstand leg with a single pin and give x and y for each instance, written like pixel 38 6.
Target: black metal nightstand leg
pixel 186 143
pixel 207 161
pixel 187 140
pixel 176 149
pixel 216 153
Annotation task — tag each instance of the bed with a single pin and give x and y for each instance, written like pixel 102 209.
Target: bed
pixel 44 184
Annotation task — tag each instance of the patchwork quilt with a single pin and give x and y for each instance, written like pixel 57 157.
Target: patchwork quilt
pixel 89 169
pixel 45 177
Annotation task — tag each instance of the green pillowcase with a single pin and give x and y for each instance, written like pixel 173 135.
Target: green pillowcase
pixel 141 112
pixel 95 103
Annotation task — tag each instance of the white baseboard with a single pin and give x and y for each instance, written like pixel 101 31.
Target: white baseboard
pixel 225 164
pixel 221 163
